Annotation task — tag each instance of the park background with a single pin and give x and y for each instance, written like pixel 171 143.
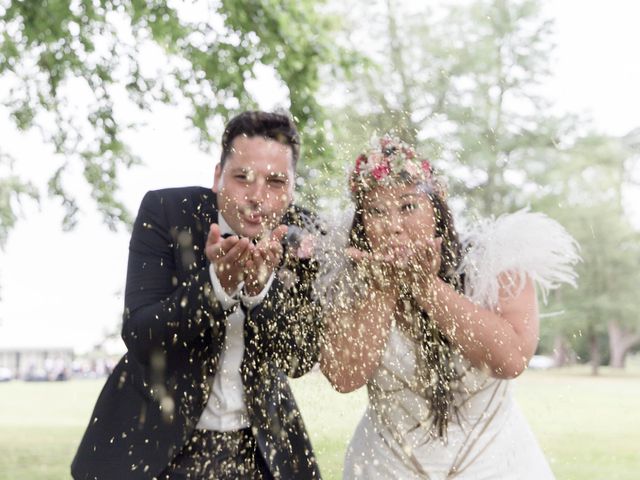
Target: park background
pixel 518 103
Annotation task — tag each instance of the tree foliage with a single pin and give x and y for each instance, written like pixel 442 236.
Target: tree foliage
pixel 463 82
pixel 76 70
pixel 585 194
pixel 12 190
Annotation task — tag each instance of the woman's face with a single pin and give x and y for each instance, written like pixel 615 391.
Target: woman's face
pixel 397 217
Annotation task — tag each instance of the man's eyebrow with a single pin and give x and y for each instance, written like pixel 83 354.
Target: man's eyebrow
pixel 240 169
pixel 277 175
pixel 409 195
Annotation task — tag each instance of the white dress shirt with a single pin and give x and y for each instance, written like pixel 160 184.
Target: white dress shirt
pixel 226 409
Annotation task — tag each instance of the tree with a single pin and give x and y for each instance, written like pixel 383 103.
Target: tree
pixel 461 81
pixel 68 67
pixel 584 192
pixel 501 129
pixel 400 85
pixel 12 190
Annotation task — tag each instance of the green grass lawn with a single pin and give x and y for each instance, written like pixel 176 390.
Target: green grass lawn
pixel 589 427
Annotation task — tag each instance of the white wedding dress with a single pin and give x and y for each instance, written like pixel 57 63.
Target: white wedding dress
pixel 487 437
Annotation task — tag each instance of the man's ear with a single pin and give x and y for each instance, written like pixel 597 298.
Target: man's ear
pixel 217 179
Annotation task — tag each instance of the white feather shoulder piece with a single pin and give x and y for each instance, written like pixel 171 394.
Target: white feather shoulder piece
pixel 519 245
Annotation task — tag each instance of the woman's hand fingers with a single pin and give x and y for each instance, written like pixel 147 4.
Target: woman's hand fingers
pixel 427 257
pixel 278 233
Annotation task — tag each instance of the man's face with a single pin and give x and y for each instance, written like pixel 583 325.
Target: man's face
pixel 255 187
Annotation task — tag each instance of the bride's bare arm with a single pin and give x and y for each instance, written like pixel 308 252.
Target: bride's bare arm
pixel 355 339
pixel 502 341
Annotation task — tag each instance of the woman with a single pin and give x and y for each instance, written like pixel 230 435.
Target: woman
pixel 434 333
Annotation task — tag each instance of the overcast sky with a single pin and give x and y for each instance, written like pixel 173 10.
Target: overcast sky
pixel 65 289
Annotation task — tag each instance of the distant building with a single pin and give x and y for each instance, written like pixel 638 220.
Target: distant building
pixel 37 363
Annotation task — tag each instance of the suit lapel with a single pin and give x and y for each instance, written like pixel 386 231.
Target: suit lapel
pixel 208 213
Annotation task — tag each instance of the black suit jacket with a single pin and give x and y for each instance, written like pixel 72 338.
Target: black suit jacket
pixel 174 330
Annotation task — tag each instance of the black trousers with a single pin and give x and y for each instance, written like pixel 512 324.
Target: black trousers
pixel 210 455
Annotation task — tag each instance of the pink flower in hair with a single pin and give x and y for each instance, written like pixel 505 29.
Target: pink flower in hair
pixel 412 169
pixel 375 158
pixel 385 141
pixel 381 170
pixel 386 160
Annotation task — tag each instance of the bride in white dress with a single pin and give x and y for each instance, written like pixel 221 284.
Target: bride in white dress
pixel 433 330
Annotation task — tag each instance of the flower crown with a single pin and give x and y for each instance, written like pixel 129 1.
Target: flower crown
pixel 388 161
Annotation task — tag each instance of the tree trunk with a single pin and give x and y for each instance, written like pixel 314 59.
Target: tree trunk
pixel 594 353
pixel 406 128
pixel 561 353
pixel 621 340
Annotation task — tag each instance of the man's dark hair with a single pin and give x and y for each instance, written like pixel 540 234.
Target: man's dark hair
pixel 276 126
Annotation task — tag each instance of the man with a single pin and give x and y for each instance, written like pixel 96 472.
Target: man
pixel 216 313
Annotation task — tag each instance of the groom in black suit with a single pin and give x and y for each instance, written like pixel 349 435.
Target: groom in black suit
pixel 218 311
